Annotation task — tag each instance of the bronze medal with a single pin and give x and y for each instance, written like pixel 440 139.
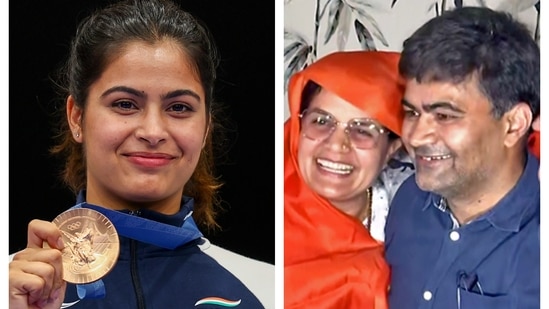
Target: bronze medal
pixel 91 245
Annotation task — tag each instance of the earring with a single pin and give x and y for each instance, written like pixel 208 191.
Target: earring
pixel 77 134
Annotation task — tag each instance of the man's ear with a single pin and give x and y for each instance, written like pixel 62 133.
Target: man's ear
pixel 74 117
pixel 536 124
pixel 394 146
pixel 518 121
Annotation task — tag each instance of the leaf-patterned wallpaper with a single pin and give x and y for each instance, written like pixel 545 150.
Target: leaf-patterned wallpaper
pixel 313 28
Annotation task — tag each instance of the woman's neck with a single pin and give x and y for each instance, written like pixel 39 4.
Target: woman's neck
pixel 167 206
pixel 359 207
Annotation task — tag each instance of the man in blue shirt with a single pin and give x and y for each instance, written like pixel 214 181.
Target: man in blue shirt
pixel 464 231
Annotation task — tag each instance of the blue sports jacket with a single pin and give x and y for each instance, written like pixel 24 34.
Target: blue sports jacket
pixel 150 276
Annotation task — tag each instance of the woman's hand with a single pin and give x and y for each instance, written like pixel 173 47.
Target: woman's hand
pixel 36 272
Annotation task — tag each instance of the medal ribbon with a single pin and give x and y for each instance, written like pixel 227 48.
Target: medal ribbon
pixel 142 229
pixel 149 231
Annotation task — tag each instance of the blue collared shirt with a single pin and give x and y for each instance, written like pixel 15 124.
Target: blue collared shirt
pixel 491 262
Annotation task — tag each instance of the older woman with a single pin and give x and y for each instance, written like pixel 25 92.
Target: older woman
pixel 345 118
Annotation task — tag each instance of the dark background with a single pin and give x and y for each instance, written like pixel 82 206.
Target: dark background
pixel 39 36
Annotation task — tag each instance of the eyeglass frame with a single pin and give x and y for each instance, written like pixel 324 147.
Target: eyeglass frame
pixel 378 127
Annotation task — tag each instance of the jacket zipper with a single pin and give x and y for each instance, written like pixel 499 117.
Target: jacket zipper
pixel 134 271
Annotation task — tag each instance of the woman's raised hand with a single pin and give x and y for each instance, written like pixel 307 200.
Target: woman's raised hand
pixel 36 272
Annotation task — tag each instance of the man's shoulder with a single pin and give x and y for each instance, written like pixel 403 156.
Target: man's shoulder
pixel 409 192
pixel 408 204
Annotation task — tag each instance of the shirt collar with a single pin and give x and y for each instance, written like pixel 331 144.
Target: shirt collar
pixel 435 200
pixel 509 212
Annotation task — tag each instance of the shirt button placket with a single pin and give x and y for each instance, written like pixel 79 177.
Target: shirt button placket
pixel 454 236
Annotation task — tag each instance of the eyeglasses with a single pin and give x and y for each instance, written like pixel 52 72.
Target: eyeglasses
pixel 319 125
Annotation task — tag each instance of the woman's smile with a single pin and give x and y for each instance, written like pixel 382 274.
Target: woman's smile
pixel 149 160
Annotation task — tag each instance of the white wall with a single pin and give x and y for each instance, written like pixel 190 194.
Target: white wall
pixel 388 21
